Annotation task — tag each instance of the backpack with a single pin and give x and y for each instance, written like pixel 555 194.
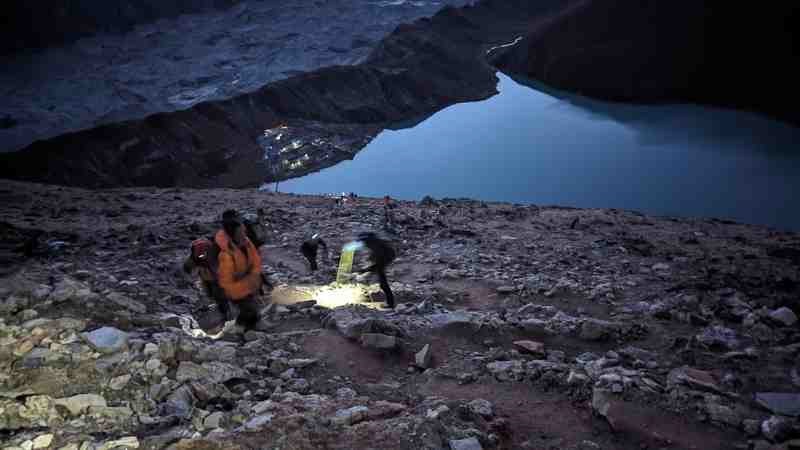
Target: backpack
pixel 256 231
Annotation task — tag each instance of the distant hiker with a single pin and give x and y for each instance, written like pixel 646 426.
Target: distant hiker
pixel 381 255
pixel 239 272
pixel 309 250
pixel 388 218
pixel 203 258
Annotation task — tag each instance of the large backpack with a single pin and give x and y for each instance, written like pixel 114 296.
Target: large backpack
pixel 256 230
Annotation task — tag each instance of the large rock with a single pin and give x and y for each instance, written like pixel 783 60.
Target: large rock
pixel 784 316
pixel 531 347
pixel 189 371
pixel 350 416
pixel 126 302
pixel 423 357
pixel 779 429
pixel 602 402
pixel 481 407
pixel 506 370
pixel 354 320
pixel 597 330
pixel 784 404
pixel 258 423
pixel 465 444
pixel 78 404
pixel 121 443
pixel 693 378
pixel 718 338
pixel 180 403
pixel 723 414
pixel 107 339
pixel 379 341
pixel 221 372
pixel 69 289
pixel 36 411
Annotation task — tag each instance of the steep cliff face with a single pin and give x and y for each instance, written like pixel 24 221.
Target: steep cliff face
pixel 418 69
pixel 708 51
pixel 41 23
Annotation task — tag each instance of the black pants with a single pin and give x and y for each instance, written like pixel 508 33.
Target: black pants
pixel 381 272
pixel 310 252
pixel 218 295
pixel 249 313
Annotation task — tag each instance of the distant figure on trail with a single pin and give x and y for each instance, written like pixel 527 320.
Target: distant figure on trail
pixel 388 218
pixel 381 255
pixel 239 272
pixel 309 250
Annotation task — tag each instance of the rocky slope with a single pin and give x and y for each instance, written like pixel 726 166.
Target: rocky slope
pixel 41 23
pixel 518 327
pixel 418 69
pixel 173 64
pixel 710 52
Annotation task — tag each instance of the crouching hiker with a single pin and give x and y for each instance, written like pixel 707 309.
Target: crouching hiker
pixel 309 250
pixel 381 254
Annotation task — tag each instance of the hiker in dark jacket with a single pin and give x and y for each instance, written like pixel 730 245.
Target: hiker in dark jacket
pixel 381 254
pixel 309 250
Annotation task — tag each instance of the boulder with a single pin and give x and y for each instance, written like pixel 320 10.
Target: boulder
pixel 785 404
pixel 778 428
pixel 258 423
pixel 354 320
pixel 423 357
pixel 180 403
pixel 465 444
pixel 718 338
pixel 783 316
pixel 43 441
pixel 481 407
pixel 531 348
pixel 693 378
pixel 214 420
pixel 189 371
pixel 350 416
pixel 107 339
pixel 221 372
pixel 78 404
pixel 602 404
pixel 379 341
pixel 597 330
pixel 723 414
pixel 122 443
pixel 69 289
pixel 126 302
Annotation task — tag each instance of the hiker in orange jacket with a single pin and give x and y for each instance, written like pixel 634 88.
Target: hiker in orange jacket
pixel 203 259
pixel 239 270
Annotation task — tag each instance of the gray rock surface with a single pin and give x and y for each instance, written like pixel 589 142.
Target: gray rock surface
pixel 107 339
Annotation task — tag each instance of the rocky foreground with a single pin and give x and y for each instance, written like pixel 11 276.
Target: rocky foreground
pixel 518 327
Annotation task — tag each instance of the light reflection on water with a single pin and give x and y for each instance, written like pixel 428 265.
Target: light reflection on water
pixel 544 147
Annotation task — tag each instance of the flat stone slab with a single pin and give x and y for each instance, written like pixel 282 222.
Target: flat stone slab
pixel 785 404
pixel 465 444
pixel 107 339
pixel 530 347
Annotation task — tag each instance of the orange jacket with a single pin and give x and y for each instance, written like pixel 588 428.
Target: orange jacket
pixel 239 272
